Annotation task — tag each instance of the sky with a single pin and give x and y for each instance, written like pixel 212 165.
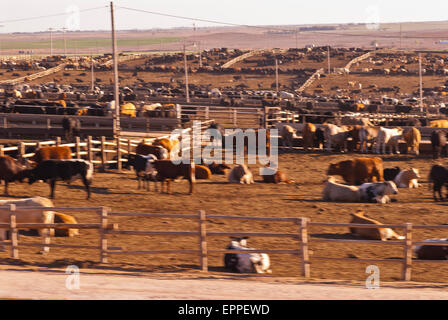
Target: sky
pixel 248 12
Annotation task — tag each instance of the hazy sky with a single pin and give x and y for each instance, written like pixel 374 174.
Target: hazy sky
pixel 252 12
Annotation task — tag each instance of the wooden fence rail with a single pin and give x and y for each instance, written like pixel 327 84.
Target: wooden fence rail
pixel 301 238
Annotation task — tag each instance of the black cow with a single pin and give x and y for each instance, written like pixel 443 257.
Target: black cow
pixel 65 170
pixel 319 138
pixel 439 177
pixel 143 168
pixel 427 252
pixel 72 127
pixel 390 173
pixel 438 142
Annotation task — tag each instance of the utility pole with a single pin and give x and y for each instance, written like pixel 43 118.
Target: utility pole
pixel 276 75
pixel 329 60
pixel 187 93
pixel 92 71
pixel 51 41
pixel 421 81
pixel 115 61
pixel 64 29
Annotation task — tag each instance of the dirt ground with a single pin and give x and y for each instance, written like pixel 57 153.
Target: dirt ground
pixel 300 199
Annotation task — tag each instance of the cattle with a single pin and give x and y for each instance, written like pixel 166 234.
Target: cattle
pixel 172 146
pixel 338 192
pixel 412 137
pixel 358 171
pixel 439 177
pixel 270 175
pixel 388 137
pixel 382 234
pixel 336 136
pixel 439 143
pixel 146 149
pixel 168 171
pixel 308 133
pixel 319 138
pixel 407 179
pixel 245 262
pixel 219 169
pixel 72 127
pixel 65 170
pixel 367 135
pixel 241 174
pixel 438 124
pixel 9 170
pixel 52 153
pixel 202 173
pixel 144 169
pixel 28 216
pixel 288 133
pixel 428 252
pixel 378 192
pixel 65 218
pixel 389 174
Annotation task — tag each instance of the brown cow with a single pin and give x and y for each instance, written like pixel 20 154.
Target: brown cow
pixel 413 138
pixel 147 149
pixel 202 172
pixel 166 143
pixel 167 171
pixel 52 153
pixel 10 169
pixel 308 133
pixel 358 171
pixel 382 234
pixel 277 176
pixel 65 218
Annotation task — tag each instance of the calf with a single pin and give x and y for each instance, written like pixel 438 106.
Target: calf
pixel 52 153
pixel 245 262
pixel 241 174
pixel 407 179
pixel 378 192
pixel 144 169
pixel 167 171
pixel 427 252
pixel 10 170
pixel 438 143
pixel 65 170
pixel 382 234
pixel 439 177
pixel 390 173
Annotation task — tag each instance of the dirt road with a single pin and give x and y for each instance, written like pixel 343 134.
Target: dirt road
pixel 52 285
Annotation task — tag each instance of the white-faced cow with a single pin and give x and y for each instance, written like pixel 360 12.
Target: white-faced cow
pixel 378 192
pixel 246 262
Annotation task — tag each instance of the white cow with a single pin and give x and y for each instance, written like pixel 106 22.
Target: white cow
pixel 407 179
pixel 288 134
pixel 28 216
pixel 335 135
pixel 388 137
pixel 339 192
pixel 366 135
pixel 246 262
pixel 378 192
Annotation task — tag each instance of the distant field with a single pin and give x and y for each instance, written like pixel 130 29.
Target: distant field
pixel 85 43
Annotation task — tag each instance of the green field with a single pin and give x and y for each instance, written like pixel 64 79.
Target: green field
pixel 85 43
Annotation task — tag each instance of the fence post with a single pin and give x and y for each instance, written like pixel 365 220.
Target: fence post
pixel 119 166
pixel 2 153
pixel 58 141
pixel 78 148
pixel 203 240
pixel 235 117
pixel 407 261
pixel 207 113
pixel 103 230
pixel 5 123
pixel 303 238
pixel 103 153
pixel 265 117
pixel 13 231
pixel 129 146
pixel 89 148
pixel 21 150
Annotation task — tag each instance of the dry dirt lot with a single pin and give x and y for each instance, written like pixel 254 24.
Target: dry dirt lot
pixel 301 199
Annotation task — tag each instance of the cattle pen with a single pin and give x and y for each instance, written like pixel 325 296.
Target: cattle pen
pixel 302 237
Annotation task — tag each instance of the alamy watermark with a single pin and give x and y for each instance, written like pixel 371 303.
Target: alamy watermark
pixel 72 282
pixel 229 146
pixel 373 280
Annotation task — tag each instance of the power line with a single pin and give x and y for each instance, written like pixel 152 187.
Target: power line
pixel 49 15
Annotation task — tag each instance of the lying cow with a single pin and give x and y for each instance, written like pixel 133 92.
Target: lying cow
pixel 407 179
pixel 382 234
pixel 168 171
pixel 65 170
pixel 378 192
pixel 202 172
pixel 358 171
pixel 270 175
pixel 391 173
pixel 245 262
pixel 66 219
pixel 338 192
pixel 28 216
pixel 241 174
pixel 427 252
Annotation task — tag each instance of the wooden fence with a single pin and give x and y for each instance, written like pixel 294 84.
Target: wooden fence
pixel 301 237
pixel 34 76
